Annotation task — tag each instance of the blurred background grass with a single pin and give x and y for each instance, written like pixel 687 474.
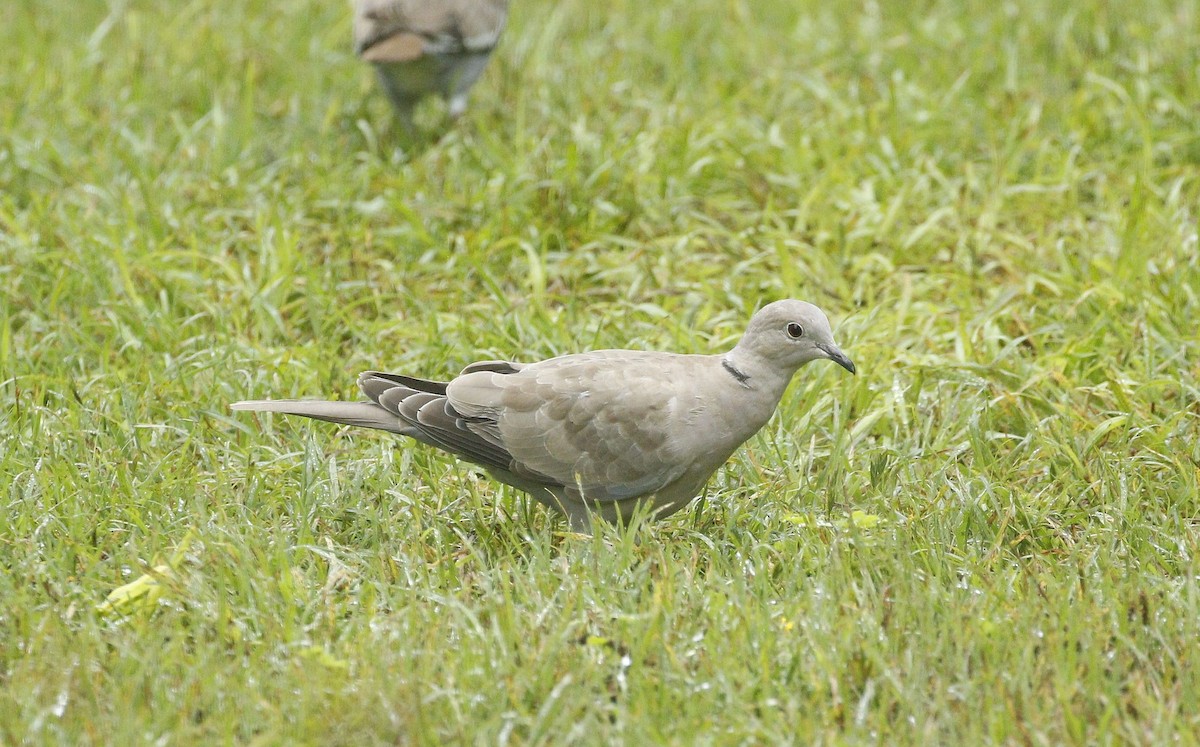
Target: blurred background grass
pixel 996 203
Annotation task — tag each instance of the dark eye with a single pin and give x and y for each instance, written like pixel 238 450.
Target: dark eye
pixel 795 331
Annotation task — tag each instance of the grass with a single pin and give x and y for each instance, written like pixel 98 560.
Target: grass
pixel 997 204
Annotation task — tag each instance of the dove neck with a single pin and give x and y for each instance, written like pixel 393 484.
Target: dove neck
pixel 751 371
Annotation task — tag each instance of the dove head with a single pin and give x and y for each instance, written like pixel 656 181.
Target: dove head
pixel 788 334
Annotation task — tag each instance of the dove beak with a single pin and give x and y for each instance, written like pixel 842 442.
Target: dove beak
pixel 837 356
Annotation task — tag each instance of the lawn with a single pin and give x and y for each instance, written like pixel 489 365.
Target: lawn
pixel 988 536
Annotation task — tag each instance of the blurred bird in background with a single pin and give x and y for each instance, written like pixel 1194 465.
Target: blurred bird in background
pixel 424 47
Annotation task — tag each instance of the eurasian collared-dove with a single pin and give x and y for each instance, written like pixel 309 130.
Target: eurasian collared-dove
pixel 423 47
pixel 591 433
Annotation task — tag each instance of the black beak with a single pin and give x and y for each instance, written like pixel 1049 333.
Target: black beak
pixel 838 357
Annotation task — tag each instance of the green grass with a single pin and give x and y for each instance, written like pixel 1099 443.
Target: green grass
pixel 996 203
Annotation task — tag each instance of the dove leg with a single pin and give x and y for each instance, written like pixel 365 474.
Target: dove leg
pixel 404 101
pixel 577 513
pixel 458 78
pixel 457 105
pixel 580 520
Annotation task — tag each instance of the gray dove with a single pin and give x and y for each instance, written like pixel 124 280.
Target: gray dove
pixel 423 47
pixel 596 433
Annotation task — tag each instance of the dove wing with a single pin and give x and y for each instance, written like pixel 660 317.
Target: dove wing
pixel 612 424
pixel 403 30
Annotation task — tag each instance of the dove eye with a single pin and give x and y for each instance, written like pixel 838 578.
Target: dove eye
pixel 795 331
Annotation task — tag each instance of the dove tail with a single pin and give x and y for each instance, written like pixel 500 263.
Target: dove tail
pixel 362 414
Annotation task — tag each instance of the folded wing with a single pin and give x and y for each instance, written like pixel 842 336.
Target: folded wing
pixel 389 31
pixel 602 423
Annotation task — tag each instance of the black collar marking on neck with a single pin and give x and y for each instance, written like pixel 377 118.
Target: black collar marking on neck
pixel 733 370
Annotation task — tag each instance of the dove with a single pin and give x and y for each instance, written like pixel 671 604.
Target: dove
pixel 601 433
pixel 423 47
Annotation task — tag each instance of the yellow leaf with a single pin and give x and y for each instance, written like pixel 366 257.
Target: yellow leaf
pixel 800 520
pixel 139 594
pixel 320 656
pixel 863 520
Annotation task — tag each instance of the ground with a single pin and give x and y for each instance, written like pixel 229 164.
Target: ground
pixel 988 536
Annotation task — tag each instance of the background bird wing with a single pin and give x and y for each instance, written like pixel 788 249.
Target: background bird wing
pixel 403 30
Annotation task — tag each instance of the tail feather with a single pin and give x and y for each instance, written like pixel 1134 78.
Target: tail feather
pixel 362 414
